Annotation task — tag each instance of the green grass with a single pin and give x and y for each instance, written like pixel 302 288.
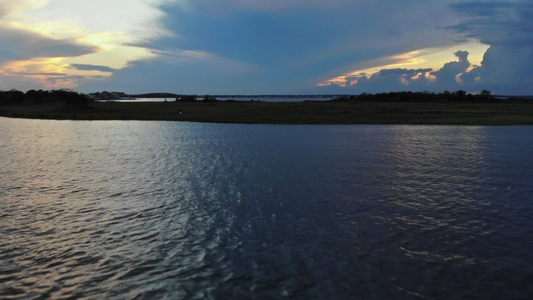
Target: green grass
pixel 328 112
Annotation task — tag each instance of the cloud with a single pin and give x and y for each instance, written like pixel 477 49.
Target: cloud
pixel 225 7
pixel 133 20
pixel 288 46
pixel 41 38
pixel 29 59
pixel 12 6
pixel 506 27
pixel 399 79
pixel 446 77
pixel 31 78
pixel 84 67
pixel 182 72
pixel 21 44
pixel 502 23
pixel 323 34
pixel 504 70
pixel 42 74
pixel 277 46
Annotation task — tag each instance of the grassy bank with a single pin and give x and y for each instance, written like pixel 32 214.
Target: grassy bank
pixel 329 112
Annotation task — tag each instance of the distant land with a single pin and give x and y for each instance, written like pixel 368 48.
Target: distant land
pixel 123 95
pixel 447 108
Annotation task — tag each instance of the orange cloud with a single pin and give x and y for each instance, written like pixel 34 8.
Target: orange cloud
pixel 49 72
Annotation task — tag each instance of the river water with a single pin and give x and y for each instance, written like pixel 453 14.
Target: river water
pixel 170 210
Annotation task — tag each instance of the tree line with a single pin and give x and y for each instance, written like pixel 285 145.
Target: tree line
pixel 484 96
pixel 68 97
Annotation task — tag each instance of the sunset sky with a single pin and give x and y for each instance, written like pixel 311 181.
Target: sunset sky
pixel 267 47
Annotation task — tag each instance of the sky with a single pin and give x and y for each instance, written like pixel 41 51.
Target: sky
pixel 267 47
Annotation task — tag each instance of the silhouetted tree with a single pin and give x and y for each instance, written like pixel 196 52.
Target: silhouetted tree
pixel 460 95
pixel 485 93
pixel 15 96
pixel 34 96
pixel 75 100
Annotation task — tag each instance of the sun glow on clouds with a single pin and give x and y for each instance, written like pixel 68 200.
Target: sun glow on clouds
pixel 47 71
pixel 430 58
pixel 102 34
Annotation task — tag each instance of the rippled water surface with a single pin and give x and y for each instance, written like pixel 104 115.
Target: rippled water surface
pixel 155 210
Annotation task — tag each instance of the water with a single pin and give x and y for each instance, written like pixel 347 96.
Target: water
pixel 169 210
pixel 249 98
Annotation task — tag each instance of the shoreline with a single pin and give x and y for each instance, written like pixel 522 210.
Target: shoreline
pixel 306 112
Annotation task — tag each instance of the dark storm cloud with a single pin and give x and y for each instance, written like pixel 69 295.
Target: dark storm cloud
pixel 507 23
pixel 505 70
pixel 506 67
pixel 508 28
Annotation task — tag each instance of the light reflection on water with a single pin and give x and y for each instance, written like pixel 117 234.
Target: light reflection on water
pixel 184 210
